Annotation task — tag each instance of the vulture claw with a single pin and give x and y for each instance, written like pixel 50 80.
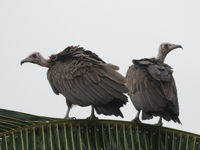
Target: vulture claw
pixel 136 120
pixel 70 118
pixel 160 123
pixel 92 117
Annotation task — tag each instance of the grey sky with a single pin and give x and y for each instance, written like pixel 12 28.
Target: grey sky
pixel 117 31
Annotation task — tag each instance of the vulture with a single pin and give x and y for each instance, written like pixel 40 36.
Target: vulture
pixel 152 88
pixel 84 79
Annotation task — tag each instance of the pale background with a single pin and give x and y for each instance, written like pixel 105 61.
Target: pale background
pixel 117 31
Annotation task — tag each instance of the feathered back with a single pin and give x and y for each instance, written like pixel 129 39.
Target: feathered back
pixel 74 51
pixel 67 52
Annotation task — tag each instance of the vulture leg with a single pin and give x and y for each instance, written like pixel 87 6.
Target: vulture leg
pixel 67 114
pixel 69 105
pixel 137 117
pixel 160 123
pixel 92 116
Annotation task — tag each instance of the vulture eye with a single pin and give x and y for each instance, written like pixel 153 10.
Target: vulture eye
pixel 34 55
pixel 166 46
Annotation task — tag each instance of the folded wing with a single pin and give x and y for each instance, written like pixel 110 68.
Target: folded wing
pixel 84 79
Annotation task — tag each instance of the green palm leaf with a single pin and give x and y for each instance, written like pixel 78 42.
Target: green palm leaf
pixel 20 131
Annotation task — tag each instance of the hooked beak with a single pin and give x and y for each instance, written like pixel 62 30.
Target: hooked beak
pixel 176 46
pixel 25 60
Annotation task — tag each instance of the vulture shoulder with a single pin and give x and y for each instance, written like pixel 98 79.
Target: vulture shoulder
pixel 85 79
pixel 157 70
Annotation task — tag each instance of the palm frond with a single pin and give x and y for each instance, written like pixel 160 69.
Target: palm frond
pixel 20 131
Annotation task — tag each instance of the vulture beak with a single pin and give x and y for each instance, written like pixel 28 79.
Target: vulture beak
pixel 175 46
pixel 25 60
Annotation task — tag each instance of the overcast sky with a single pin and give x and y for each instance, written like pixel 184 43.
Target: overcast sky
pixel 117 30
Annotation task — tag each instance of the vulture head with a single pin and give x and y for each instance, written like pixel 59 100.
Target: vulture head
pixel 165 48
pixel 35 58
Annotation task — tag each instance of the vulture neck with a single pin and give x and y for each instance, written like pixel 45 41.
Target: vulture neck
pixel 161 56
pixel 44 62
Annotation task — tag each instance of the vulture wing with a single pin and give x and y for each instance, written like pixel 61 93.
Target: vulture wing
pixel 152 89
pixel 84 79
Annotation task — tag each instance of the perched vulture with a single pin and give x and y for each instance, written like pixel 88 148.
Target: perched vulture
pixel 152 87
pixel 84 79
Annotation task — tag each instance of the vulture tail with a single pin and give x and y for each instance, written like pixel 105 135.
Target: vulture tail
pixel 171 113
pixel 112 108
pixel 168 116
pixel 176 119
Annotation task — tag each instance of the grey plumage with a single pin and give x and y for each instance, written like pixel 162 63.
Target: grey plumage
pixel 85 79
pixel 152 87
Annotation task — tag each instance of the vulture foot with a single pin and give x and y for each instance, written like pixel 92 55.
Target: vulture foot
pixel 160 123
pixel 70 118
pixel 92 116
pixel 137 118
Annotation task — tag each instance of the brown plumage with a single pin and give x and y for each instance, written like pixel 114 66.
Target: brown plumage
pixel 85 79
pixel 152 87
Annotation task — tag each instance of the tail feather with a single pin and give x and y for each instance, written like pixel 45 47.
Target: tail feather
pixel 165 115
pixel 176 119
pixel 112 108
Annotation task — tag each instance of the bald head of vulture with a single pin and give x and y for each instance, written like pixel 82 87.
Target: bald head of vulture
pixel 164 49
pixel 36 58
pixel 84 79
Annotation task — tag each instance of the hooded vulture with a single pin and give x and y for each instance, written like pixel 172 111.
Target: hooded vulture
pixel 84 79
pixel 152 88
